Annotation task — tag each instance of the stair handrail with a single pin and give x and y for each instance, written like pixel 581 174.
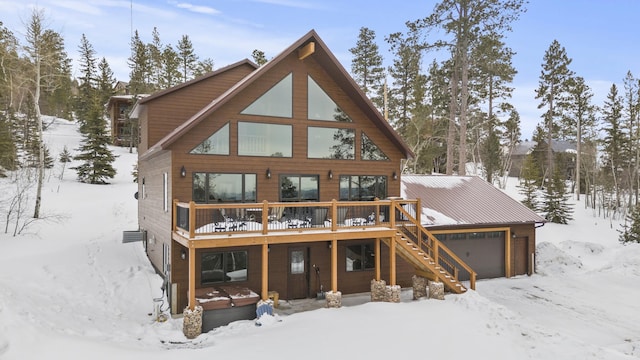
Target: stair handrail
pixel 438 246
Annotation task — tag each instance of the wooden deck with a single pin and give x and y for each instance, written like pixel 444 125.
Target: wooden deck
pixel 395 223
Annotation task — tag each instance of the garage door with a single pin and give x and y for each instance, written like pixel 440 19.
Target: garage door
pixel 483 252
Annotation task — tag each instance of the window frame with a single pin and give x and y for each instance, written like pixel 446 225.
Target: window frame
pixel 365 249
pixel 224 255
pixel 358 190
pixel 206 187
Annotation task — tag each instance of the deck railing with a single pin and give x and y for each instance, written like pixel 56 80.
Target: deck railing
pixel 194 219
pixel 444 257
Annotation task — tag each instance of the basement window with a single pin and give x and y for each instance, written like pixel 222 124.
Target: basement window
pixel 217 267
pixel 360 257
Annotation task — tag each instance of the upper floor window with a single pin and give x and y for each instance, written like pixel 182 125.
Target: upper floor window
pixel 370 151
pixel 216 144
pixel 227 188
pixel 277 101
pixel 320 106
pixel 363 187
pixel 330 143
pixel 258 139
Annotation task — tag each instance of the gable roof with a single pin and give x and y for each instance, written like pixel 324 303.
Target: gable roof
pixel 330 64
pixel 464 200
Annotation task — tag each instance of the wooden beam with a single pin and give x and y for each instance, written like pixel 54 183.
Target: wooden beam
pixel 265 272
pixel 192 278
pixel 377 259
pixel 507 253
pixel 392 261
pixel 334 265
pixel 306 50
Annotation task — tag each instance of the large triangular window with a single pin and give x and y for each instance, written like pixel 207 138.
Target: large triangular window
pixel 320 106
pixel 277 101
pixel 370 151
pixel 216 144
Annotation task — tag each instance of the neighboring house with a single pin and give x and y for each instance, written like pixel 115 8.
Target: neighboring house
pixel 121 126
pixel 567 149
pixel 490 231
pixel 281 179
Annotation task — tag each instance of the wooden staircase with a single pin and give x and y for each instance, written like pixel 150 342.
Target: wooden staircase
pixel 430 258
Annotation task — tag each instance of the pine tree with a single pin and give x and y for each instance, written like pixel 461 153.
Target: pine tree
pixel 615 144
pixel 366 67
pixel 105 81
pixel 556 201
pixel 203 67
pixel 187 57
pixel 8 154
pixel 552 88
pixel 64 158
pixel 88 79
pixel 529 182
pixel 139 64
pixel 259 57
pixel 630 232
pixel 170 74
pixel 96 157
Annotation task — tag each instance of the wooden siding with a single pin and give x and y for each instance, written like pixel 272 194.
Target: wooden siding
pixel 151 214
pixel 268 189
pixel 174 108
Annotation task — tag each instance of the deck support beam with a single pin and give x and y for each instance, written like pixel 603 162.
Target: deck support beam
pixel 334 265
pixel 392 261
pixel 377 259
pixel 192 277
pixel 265 272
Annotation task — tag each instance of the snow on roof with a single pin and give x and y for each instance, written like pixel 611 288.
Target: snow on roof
pixel 449 200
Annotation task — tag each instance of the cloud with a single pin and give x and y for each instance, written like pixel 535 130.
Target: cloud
pixel 198 8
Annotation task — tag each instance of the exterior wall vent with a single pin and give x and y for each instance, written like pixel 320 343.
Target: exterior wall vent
pixel 133 236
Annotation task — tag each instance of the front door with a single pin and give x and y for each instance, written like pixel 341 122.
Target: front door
pixel 521 255
pixel 298 283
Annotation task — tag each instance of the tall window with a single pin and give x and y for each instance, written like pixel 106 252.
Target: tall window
pixel 363 187
pixel 330 143
pixel 360 257
pixel 227 188
pixel 320 106
pixel 258 139
pixel 299 188
pixel 227 266
pixel 216 144
pixel 277 101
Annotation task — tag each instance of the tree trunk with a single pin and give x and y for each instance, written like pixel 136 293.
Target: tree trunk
pixel 36 100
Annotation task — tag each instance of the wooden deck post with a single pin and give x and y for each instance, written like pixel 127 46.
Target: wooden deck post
pixel 192 221
pixel 392 261
pixel 334 215
pixel 334 265
pixel 507 253
pixel 377 259
pixel 265 272
pixel 192 277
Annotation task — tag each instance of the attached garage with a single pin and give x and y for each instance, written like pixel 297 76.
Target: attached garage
pixel 493 233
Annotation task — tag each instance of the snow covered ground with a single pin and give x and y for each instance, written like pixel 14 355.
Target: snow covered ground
pixel 72 290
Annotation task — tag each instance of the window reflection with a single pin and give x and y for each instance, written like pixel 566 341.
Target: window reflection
pixel 320 106
pixel 363 187
pixel 299 188
pixel 229 188
pixel 330 143
pixel 216 144
pixel 258 139
pixel 277 101
pixel 370 151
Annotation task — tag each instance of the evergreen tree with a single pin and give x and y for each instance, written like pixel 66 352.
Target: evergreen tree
pixel 139 64
pixel 556 200
pixel 64 158
pixel 630 232
pixel 187 57
pixel 631 124
pixel 88 80
pixel 614 142
pixel 366 67
pixel 203 67
pixel 580 117
pixel 170 75
pixel 156 65
pixel 552 89
pixel 8 154
pixel 96 157
pixel 529 183
pixel 467 22
pixel 105 81
pixel 259 57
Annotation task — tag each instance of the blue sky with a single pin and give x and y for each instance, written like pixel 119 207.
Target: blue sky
pixel 599 35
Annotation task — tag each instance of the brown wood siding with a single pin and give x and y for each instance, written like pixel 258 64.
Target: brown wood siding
pixel 268 189
pixel 151 214
pixel 171 110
